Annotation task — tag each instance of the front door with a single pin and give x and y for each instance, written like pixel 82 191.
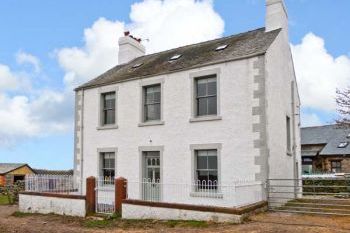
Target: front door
pixel 151 176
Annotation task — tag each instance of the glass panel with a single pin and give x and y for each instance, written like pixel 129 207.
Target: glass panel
pixel 202 162
pixel 212 162
pixel 202 106
pixel 213 176
pixel 202 152
pixel 109 116
pixel 157 97
pixel 212 105
pixel 212 86
pixel 201 87
pixel 157 174
pixel 202 175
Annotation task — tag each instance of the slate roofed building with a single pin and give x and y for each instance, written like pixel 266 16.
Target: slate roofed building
pixel 325 149
pixel 13 172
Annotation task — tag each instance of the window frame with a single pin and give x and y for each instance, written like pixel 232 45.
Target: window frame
pixel 193 77
pixel 336 167
pixel 207 169
pixel 148 83
pixel 206 97
pixel 101 92
pixel 145 104
pixel 288 135
pixel 216 193
pixel 100 153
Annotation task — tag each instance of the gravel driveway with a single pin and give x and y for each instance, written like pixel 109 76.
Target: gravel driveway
pixel 266 222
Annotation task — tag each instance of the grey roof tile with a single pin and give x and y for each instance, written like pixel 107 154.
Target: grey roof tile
pixel 241 45
pixel 7 167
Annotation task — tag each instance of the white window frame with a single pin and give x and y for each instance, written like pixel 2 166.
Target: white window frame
pixel 193 80
pixel 100 151
pixel 209 146
pixel 101 92
pixel 143 84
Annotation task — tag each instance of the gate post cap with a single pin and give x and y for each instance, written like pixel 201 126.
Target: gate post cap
pixel 120 178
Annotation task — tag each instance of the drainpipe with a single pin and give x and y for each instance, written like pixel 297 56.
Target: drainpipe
pixel 295 169
pixel 82 142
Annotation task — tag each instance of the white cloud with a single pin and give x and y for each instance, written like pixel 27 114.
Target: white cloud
pixel 26 58
pixel 319 73
pixel 167 24
pixel 8 80
pixel 310 119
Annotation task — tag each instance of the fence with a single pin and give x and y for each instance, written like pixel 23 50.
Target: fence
pixel 205 193
pixel 52 184
pixel 105 195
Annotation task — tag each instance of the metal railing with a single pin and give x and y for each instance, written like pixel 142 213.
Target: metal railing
pixel 205 193
pixel 105 195
pixel 64 184
pixel 326 195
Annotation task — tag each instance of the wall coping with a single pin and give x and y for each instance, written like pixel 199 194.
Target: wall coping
pixel 58 195
pixel 226 210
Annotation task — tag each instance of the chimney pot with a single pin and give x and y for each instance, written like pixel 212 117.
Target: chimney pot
pixel 126 33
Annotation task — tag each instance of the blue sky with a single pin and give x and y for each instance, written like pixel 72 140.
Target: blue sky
pixel 40 41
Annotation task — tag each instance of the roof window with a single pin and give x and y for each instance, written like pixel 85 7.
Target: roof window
pixel 343 144
pixel 137 65
pixel 348 136
pixel 221 47
pixel 175 57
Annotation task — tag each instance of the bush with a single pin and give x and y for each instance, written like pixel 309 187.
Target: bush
pixel 326 185
pixel 11 191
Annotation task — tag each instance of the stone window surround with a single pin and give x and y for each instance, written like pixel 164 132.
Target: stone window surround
pixel 207 146
pixel 142 149
pixel 106 150
pixel 145 83
pixel 193 76
pixel 101 91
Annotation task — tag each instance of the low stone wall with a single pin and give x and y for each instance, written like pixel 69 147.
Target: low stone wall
pixel 135 209
pixel 45 203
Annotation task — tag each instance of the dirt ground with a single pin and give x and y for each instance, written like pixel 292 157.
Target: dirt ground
pixel 265 222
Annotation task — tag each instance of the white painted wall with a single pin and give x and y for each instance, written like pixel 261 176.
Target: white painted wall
pixel 47 205
pixel 234 132
pixel 146 212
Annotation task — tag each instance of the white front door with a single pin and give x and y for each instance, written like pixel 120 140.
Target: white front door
pixel 151 176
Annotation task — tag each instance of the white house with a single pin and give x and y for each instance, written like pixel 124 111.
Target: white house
pixel 215 112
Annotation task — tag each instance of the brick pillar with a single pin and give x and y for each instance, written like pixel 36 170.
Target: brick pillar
pixel 90 194
pixel 120 193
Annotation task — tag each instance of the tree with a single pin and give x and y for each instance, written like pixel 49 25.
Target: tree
pixel 343 107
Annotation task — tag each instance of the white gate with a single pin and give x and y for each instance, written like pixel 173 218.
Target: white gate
pixel 105 196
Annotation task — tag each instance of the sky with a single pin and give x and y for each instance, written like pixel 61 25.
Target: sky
pixel 49 47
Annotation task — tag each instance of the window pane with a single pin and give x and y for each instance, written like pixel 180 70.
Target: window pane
pixel 202 162
pixel 202 106
pixel 202 175
pixel 212 105
pixel 109 117
pixel 201 87
pixel 212 86
pixel 212 162
pixel 152 112
pixel 213 176
pixel 156 97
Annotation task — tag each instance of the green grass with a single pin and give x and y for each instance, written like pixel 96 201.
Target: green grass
pixel 19 214
pixel 4 200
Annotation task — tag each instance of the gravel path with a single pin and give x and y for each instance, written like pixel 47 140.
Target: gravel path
pixel 266 222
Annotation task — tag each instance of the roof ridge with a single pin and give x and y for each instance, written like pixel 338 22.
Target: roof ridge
pixel 319 126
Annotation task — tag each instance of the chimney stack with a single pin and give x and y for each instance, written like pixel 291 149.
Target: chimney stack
pixel 276 16
pixel 129 48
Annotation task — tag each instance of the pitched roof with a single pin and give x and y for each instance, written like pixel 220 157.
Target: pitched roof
pixel 330 135
pixel 243 45
pixel 53 172
pixel 7 167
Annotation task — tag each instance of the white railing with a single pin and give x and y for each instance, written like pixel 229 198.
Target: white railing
pixel 323 175
pixel 205 193
pixel 64 184
pixel 105 195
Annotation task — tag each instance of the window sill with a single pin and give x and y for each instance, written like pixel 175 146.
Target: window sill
pixel 205 118
pixel 207 194
pixel 107 127
pixel 150 123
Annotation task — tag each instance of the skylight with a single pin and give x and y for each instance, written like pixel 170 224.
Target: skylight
pixel 348 136
pixel 343 144
pixel 175 57
pixel 221 47
pixel 137 65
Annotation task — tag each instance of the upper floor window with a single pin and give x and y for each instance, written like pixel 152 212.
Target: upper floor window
pixel 206 96
pixel 108 108
pixel 152 100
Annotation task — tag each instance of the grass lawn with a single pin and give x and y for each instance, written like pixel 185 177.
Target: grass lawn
pixel 3 200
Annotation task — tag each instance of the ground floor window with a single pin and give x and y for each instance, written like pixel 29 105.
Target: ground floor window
pixel 307 166
pixel 206 169
pixel 108 165
pixel 336 166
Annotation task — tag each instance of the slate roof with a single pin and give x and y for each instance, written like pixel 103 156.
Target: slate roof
pixel 7 167
pixel 243 45
pixel 53 172
pixel 330 135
